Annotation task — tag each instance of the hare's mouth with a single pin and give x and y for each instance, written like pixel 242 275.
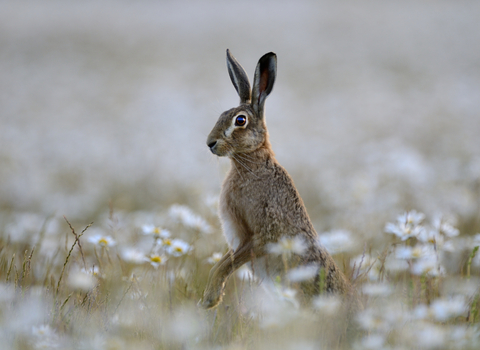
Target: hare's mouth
pixel 212 145
pixel 219 153
pixel 215 148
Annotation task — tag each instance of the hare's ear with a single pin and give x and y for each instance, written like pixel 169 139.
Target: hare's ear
pixel 263 81
pixel 239 78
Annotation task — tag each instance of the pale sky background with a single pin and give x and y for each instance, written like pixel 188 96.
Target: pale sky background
pixel 375 109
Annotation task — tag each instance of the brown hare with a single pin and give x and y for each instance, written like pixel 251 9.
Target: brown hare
pixel 259 204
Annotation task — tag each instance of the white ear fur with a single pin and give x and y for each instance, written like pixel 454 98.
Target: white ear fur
pixel 263 82
pixel 239 78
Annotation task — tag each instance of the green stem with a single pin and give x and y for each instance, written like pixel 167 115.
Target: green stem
pixel 470 258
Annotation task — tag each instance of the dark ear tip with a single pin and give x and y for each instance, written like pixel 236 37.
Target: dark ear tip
pixel 269 55
pixel 269 58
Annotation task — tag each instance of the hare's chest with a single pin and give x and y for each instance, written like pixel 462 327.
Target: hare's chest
pixel 230 231
pixel 230 226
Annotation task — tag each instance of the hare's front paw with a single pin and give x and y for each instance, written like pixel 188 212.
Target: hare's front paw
pixel 211 298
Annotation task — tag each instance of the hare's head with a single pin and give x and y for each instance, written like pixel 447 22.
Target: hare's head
pixel 243 129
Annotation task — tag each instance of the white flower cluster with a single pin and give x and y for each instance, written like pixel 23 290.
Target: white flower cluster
pixel 288 246
pixel 44 337
pixel 417 256
pixel 442 310
pixel 421 251
pixel 407 225
pixel 184 215
pixel 337 241
pixel 425 243
pixel 102 240
pixel 163 248
pixel 422 248
pixel 421 327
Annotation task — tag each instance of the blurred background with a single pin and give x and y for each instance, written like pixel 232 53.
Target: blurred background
pixel 375 108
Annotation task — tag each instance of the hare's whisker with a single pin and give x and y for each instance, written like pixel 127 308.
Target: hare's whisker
pixel 247 158
pixel 245 166
pixel 231 153
pixel 238 171
pixel 243 156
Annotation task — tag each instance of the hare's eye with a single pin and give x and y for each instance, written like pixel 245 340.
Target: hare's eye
pixel 241 120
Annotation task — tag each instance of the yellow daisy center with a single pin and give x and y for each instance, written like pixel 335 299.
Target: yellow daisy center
pixel 156 259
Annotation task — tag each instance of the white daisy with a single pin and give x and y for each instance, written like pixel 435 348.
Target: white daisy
pixel 156 260
pixel 184 215
pixel 133 256
pixel 94 271
pixel 431 236
pixel 214 258
pixel 373 341
pixel 328 304
pixel 377 289
pixel 412 217
pixel 155 231
pixel 288 246
pixel 246 274
pixel 80 280
pixel 289 295
pixel 403 230
pixel 429 265
pixel 444 226
pixel 45 337
pixel 102 241
pixel 419 251
pixel 429 336
pixel 337 241
pixel 178 247
pixel 302 273
pixel 407 225
pixel 395 265
pixel 443 309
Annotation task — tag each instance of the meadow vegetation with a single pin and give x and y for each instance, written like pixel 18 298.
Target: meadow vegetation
pixel 133 279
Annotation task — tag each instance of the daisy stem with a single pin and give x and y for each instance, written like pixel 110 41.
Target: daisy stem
pixel 10 268
pixel 285 264
pixel 470 258
pixel 423 287
pixel 473 312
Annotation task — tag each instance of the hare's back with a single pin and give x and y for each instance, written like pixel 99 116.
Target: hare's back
pixel 272 205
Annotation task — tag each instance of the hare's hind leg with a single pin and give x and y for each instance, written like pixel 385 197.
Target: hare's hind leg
pixel 217 278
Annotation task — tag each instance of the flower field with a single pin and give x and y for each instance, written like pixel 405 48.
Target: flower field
pixel 127 281
pixel 109 194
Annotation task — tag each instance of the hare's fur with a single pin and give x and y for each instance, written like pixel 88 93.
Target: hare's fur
pixel 259 204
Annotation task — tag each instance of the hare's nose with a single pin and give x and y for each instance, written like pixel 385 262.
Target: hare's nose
pixel 211 144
